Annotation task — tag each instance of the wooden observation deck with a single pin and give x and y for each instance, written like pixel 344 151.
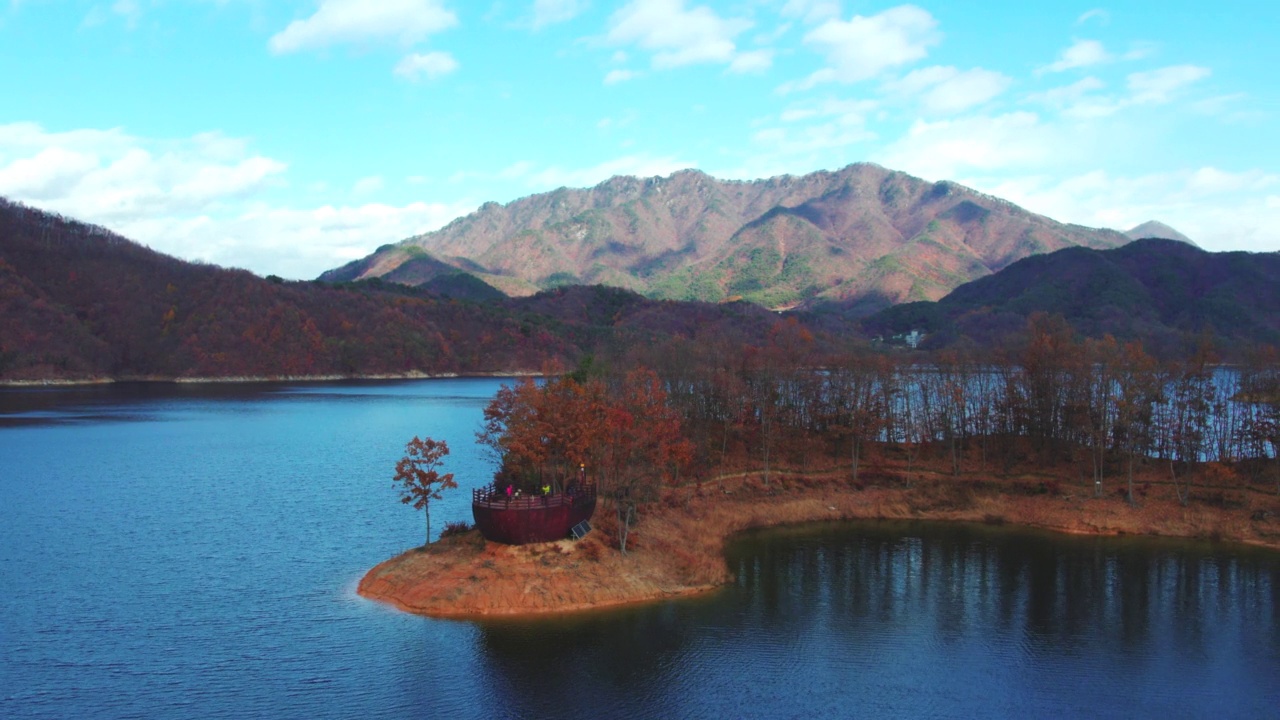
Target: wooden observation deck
pixel 525 519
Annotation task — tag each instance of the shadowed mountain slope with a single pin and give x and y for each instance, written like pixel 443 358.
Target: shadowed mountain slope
pixel 1165 293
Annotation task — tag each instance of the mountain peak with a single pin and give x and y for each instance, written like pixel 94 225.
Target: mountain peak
pixel 1157 229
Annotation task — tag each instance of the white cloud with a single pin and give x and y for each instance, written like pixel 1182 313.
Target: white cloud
pixel 613 77
pixel 517 169
pixel 917 81
pixel 809 139
pixel 129 10
pixel 296 243
pixel 846 112
pixel 811 11
pixel 808 135
pixel 1082 53
pixel 1218 209
pixel 1221 105
pixel 771 37
pixel 1139 50
pixel 965 90
pixel 637 165
pixel 110 177
pixel 364 21
pixel 197 198
pixel 551 12
pixel 540 179
pixel 50 174
pixel 864 47
pixel 617 122
pixel 1212 181
pixel 752 62
pixel 1102 16
pixel 1067 95
pixel 1155 87
pixel 216 182
pixel 416 66
pixel 949 149
pixel 797 114
pixel 368 185
pixel 1160 86
pixel 676 35
pixel 947 90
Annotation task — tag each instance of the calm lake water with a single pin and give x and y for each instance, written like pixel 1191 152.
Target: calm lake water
pixel 193 552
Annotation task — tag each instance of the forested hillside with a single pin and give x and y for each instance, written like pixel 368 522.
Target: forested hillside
pixel 77 301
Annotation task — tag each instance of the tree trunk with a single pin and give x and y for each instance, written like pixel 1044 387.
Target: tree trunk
pixel 724 446
pixel 855 458
pixel 626 513
pixel 766 458
pixel 1131 502
pixel 911 457
pixel 955 458
pixel 1177 488
pixel 428 514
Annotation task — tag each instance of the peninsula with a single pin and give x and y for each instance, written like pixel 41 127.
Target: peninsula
pixel 678 546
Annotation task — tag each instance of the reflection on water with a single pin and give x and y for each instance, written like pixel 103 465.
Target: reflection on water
pixel 912 620
pixel 179 551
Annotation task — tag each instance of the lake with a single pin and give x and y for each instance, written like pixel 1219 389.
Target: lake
pixel 192 551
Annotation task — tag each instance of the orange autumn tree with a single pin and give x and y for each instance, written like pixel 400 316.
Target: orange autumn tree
pixel 542 433
pixel 644 443
pixel 418 478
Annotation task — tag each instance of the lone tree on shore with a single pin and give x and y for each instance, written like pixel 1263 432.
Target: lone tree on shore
pixel 417 476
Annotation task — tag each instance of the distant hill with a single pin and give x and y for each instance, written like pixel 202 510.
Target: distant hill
pixel 462 286
pixel 1155 229
pixel 863 236
pixel 78 302
pixel 1163 292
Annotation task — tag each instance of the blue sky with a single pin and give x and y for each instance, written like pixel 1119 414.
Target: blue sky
pixel 290 137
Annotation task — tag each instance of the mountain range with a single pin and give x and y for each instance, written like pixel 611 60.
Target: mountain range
pixel 78 301
pixel 864 236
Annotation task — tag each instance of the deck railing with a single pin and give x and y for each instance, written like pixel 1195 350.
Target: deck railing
pixel 492 497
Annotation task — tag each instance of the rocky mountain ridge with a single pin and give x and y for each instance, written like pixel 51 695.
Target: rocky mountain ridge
pixel 864 236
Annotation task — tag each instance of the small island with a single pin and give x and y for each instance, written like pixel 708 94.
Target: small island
pixel 679 476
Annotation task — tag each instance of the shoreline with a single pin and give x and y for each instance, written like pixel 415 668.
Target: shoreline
pixel 680 542
pixel 85 382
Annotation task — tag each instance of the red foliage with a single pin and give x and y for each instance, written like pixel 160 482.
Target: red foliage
pixel 417 476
